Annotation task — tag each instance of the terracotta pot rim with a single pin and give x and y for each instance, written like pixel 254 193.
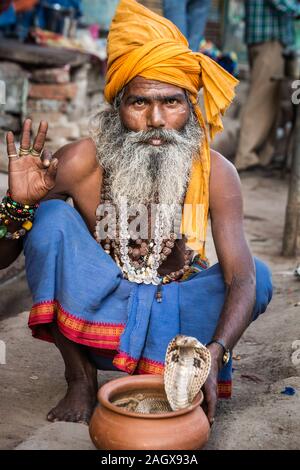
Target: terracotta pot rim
pixel 107 390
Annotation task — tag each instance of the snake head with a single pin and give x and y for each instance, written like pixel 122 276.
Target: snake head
pixel 186 341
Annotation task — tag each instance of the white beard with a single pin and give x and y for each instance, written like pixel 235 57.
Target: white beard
pixel 137 171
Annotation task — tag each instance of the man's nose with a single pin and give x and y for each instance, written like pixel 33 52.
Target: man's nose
pixel 155 118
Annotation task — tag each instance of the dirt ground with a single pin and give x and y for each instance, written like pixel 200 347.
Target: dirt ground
pixel 258 416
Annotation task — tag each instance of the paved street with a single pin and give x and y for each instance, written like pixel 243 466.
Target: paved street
pixel 259 416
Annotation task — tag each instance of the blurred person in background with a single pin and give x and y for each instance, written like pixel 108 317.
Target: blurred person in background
pixel 269 29
pixel 4 5
pixel 18 5
pixel 190 17
pixel 18 16
pixel 10 9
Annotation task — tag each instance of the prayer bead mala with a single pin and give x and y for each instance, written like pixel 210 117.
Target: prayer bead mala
pixel 139 251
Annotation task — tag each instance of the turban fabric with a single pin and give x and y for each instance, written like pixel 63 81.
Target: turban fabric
pixel 142 43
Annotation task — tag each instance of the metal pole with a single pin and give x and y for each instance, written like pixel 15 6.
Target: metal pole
pixel 292 217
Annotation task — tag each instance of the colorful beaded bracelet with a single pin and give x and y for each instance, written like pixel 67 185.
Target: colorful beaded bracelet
pixel 17 211
pixel 4 233
pixel 18 204
pixel 19 217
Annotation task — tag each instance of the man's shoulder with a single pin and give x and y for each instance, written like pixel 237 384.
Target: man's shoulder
pixel 221 167
pixel 79 157
pixel 77 165
pixel 224 183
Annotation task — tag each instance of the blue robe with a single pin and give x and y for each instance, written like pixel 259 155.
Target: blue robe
pixel 75 283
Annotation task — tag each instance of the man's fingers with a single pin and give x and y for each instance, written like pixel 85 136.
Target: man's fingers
pixel 46 157
pixel 26 135
pixel 39 141
pixel 211 403
pixel 10 142
pixel 51 173
pixel 210 400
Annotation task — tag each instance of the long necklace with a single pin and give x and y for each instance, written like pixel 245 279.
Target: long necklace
pixel 148 272
pixel 139 263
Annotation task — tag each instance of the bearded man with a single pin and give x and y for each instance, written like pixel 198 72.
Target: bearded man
pixel 112 297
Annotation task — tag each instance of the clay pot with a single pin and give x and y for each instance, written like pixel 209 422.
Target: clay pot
pixel 114 428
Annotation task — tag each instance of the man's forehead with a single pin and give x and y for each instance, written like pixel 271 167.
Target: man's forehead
pixel 144 87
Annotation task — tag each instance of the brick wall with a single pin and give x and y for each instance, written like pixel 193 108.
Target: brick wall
pixel 64 96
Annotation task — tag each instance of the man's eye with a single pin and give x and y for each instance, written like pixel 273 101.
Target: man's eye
pixel 139 102
pixel 172 101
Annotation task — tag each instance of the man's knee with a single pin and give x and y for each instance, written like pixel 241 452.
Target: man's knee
pixel 55 210
pixel 264 288
pixel 51 221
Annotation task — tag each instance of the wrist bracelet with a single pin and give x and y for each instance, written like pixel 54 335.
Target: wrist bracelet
pixel 17 211
pixel 10 211
pixel 226 352
pixel 4 233
pixel 13 216
pixel 18 204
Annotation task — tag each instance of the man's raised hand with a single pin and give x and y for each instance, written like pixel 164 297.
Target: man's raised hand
pixel 32 171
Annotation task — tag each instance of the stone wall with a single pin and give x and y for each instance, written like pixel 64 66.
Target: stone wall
pixel 13 107
pixel 64 96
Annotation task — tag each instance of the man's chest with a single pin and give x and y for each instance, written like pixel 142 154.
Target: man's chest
pixel 88 199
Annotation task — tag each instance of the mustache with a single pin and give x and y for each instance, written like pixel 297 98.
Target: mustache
pixel 167 136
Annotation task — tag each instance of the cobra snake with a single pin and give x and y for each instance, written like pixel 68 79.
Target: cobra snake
pixel 187 365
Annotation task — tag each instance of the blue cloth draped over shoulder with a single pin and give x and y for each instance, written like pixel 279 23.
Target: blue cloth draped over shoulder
pixel 75 283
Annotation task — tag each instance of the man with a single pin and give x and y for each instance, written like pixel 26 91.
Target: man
pixel 22 14
pixel 190 17
pixel 19 5
pixel 269 28
pixel 118 305
pixel 9 9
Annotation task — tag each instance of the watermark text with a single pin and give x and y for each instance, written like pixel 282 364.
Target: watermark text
pixel 2 92
pixel 296 93
pixel 2 353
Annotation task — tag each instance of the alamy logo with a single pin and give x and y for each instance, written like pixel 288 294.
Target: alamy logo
pixel 296 94
pixel 296 352
pixel 2 353
pixel 2 92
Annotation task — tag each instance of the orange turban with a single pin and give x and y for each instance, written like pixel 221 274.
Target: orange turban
pixel 143 43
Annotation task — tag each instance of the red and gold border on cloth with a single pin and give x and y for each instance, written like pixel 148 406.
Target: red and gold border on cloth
pixel 93 334
pixel 98 336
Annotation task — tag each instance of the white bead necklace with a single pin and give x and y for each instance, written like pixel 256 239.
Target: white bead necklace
pixel 147 274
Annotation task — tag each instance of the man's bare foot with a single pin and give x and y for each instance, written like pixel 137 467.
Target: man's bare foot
pixel 78 404
pixel 81 375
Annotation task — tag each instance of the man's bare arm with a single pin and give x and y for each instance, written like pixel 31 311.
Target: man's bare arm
pixel 79 176
pixel 232 249
pixel 237 264
pixel 29 179
pixel 77 161
pixel 77 166
pixel 10 249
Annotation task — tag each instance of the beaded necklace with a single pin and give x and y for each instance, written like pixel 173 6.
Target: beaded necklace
pixel 138 259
